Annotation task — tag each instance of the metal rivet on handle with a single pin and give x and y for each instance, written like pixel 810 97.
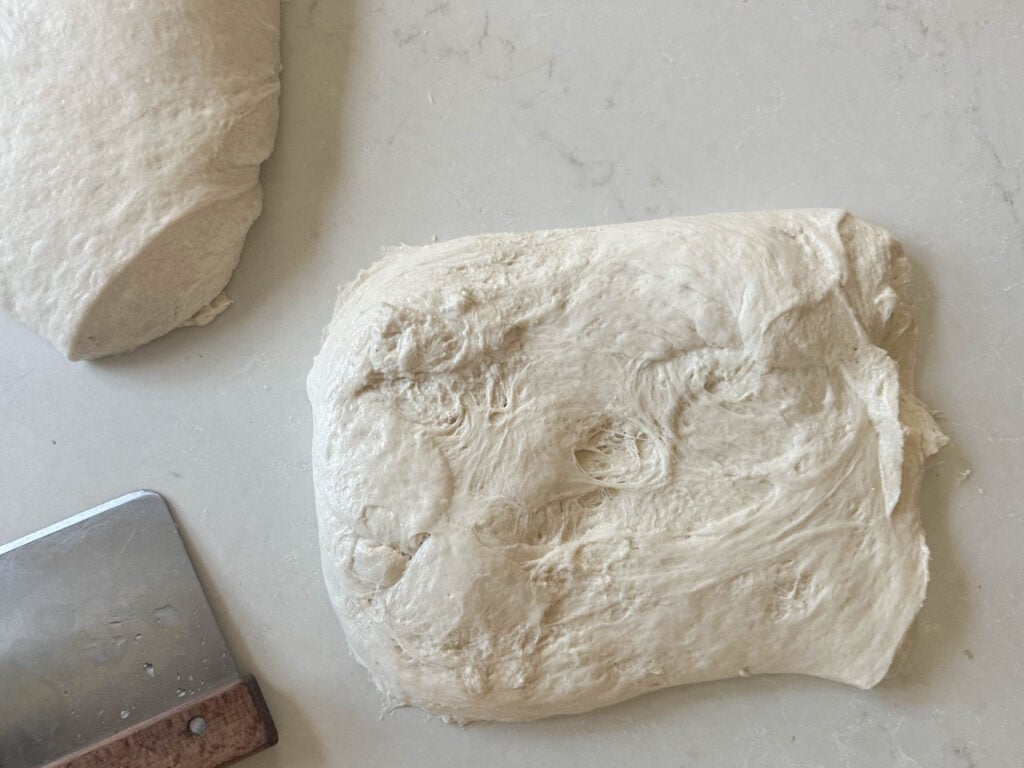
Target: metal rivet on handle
pixel 197 726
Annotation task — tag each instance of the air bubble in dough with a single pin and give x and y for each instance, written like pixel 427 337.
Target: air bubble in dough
pixel 131 136
pixel 560 469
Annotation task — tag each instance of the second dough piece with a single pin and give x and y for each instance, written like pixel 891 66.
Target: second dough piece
pixel 131 137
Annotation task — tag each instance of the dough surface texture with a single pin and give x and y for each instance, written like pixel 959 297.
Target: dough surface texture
pixel 560 469
pixel 131 136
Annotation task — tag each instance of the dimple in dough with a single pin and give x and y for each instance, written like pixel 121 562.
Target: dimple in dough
pixel 131 137
pixel 560 469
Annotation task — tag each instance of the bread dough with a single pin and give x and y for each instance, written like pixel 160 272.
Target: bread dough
pixel 557 470
pixel 131 136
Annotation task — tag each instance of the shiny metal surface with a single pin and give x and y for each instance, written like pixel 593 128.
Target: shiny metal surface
pixel 103 624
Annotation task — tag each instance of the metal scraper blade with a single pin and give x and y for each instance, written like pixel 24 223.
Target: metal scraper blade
pixel 103 625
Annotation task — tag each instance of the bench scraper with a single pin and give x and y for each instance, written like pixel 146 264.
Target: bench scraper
pixel 110 654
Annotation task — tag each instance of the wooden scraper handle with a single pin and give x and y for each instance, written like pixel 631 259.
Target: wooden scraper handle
pixel 210 731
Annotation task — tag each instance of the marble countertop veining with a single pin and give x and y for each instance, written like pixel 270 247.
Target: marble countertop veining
pixel 406 120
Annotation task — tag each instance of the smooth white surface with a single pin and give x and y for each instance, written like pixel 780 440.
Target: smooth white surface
pixel 405 120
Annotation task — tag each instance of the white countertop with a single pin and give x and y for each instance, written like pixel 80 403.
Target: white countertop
pixel 406 119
